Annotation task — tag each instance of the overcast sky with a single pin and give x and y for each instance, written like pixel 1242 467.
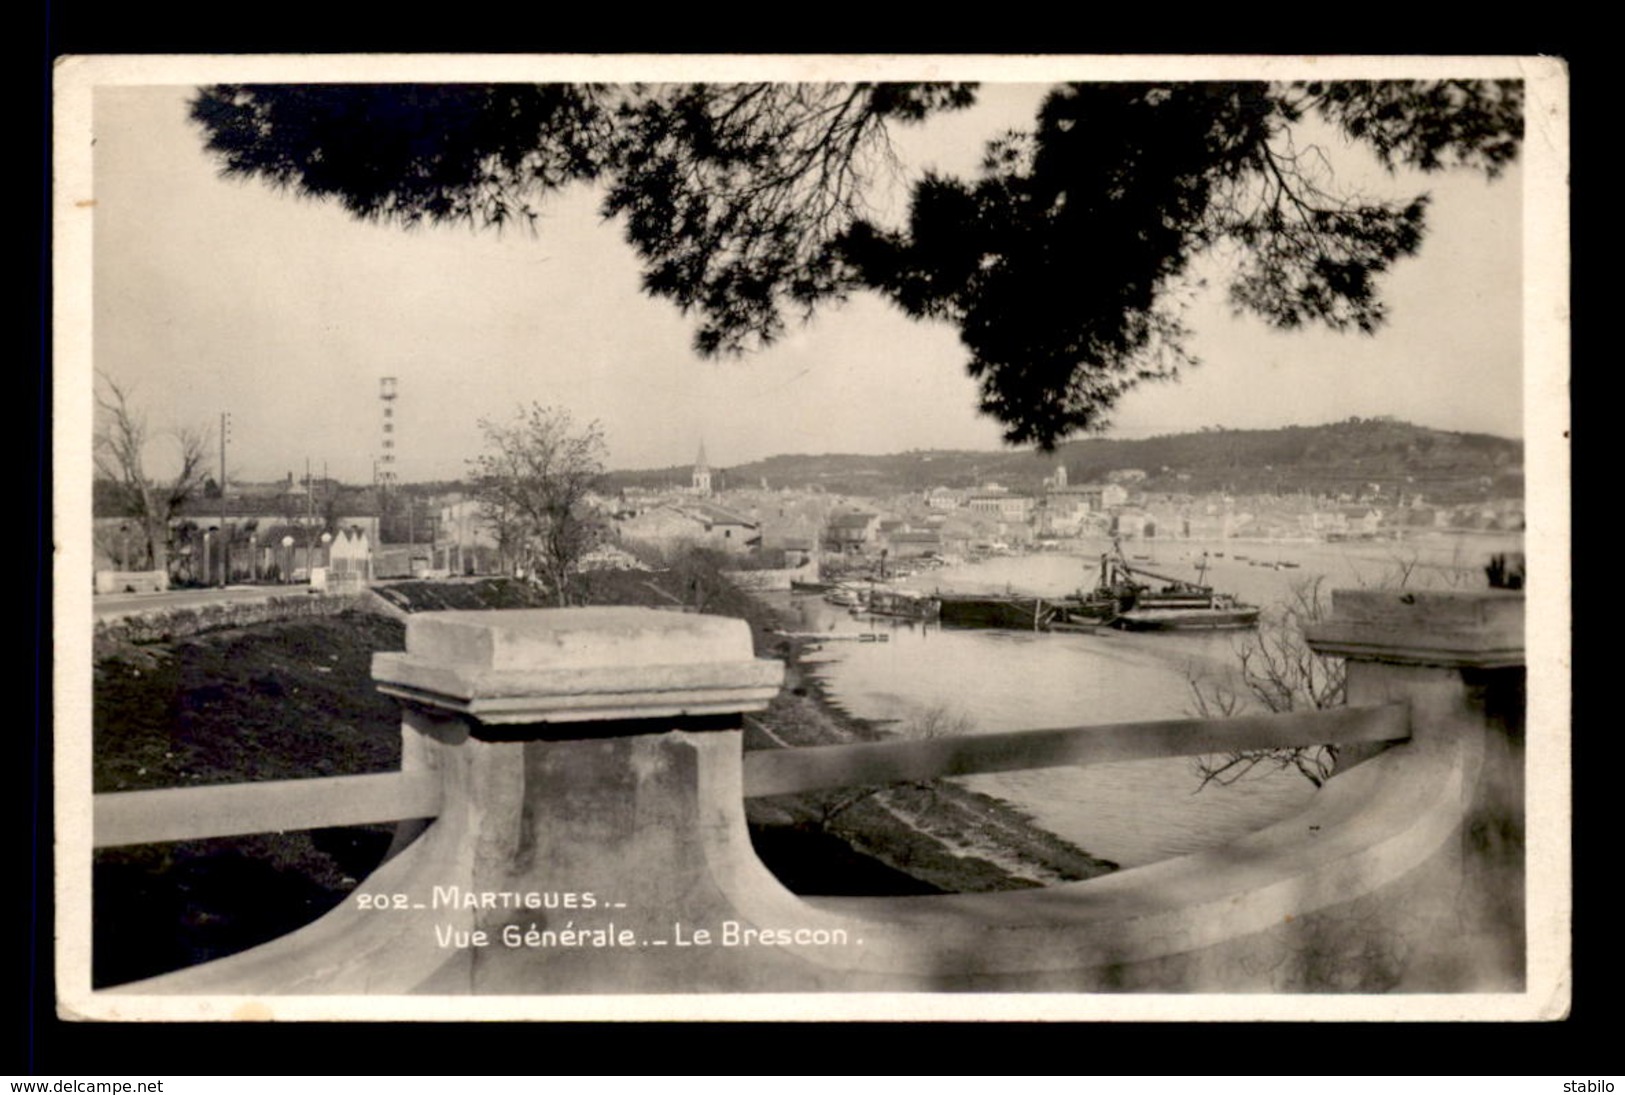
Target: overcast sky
pixel 214 296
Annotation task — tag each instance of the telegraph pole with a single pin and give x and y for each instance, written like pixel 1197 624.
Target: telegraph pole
pixel 225 532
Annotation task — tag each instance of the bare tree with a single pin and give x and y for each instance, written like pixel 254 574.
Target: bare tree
pixel 121 442
pixel 1276 670
pixel 533 480
pixel 697 569
pixel 1405 569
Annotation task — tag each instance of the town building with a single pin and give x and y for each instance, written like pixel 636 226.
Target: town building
pixel 1006 506
pixel 1066 509
pixel 704 524
pixel 349 560
pixel 1102 496
pixel 851 532
pixel 915 543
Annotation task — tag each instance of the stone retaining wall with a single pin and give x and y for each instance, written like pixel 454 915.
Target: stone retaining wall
pixel 151 626
pixel 131 581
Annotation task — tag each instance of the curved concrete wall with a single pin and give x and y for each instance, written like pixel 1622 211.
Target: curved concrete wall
pixel 610 855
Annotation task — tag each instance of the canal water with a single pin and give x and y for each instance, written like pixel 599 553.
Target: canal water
pixel 980 681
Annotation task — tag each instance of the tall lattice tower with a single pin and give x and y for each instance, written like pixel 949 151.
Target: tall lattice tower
pixel 384 469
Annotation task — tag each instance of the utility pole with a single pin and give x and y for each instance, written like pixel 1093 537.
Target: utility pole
pixel 327 501
pixel 225 530
pixel 310 520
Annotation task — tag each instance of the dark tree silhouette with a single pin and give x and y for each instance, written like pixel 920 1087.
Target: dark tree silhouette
pixel 736 196
pixel 1063 265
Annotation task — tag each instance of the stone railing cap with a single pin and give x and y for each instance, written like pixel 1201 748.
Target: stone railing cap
pixel 574 638
pixel 578 665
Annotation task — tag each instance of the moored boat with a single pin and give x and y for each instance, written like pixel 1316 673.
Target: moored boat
pixel 846 595
pixel 1008 610
pixel 1068 619
pixel 902 603
pixel 1122 599
pixel 1222 612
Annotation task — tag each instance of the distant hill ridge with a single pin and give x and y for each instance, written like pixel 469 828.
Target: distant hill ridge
pixel 1339 458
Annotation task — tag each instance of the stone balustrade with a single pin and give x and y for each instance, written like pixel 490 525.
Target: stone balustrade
pixel 592 839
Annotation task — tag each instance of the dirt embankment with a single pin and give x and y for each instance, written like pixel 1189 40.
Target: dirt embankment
pixel 951 838
pixel 294 699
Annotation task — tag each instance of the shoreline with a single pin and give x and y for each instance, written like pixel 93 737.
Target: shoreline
pixel 955 839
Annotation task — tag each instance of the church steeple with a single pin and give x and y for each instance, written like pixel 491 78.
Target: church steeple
pixel 702 473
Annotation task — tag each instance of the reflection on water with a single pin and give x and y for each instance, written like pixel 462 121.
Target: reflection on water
pixel 1133 812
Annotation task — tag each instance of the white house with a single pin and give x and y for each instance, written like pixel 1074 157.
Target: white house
pixel 349 560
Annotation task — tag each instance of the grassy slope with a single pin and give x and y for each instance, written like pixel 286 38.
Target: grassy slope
pixel 275 701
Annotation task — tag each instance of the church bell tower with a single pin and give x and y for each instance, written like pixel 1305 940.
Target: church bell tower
pixel 702 473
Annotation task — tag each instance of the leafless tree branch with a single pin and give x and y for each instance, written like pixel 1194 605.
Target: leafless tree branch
pixel 1276 671
pixel 120 445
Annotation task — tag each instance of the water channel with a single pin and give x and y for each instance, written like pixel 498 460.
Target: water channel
pixel 1133 812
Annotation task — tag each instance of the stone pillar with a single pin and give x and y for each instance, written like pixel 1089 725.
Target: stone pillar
pixel 1457 658
pixel 1428 648
pixel 592 821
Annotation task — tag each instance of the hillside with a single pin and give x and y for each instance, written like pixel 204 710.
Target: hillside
pixel 1340 458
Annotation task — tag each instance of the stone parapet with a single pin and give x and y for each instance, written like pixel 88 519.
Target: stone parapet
pixel 595 841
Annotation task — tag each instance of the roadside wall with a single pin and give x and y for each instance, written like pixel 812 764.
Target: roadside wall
pixel 161 626
pixel 131 581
